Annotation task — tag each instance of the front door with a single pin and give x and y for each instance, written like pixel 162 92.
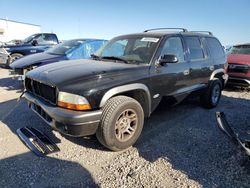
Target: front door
pixel 170 79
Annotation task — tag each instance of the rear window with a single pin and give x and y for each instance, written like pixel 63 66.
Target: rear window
pixel 241 49
pixel 195 48
pixel 214 47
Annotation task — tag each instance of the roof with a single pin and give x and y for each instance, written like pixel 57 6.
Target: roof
pixel 161 34
pixel 19 22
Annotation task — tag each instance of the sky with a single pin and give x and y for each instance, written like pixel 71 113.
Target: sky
pixel 227 19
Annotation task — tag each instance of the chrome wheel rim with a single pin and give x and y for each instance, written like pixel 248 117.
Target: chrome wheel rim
pixel 216 94
pixel 126 125
pixel 14 58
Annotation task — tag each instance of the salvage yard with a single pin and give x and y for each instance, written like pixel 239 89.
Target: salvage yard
pixel 179 147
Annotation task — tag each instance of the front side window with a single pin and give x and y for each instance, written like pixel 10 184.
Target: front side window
pixel 173 46
pixel 195 48
pixel 241 49
pixel 133 49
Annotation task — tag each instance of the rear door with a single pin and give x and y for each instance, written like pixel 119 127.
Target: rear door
pixel 201 65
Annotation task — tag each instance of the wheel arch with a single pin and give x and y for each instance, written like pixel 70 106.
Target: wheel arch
pixel 218 73
pixel 137 91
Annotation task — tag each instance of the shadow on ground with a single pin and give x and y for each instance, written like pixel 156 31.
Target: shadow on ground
pixel 17 171
pixel 10 83
pixel 188 137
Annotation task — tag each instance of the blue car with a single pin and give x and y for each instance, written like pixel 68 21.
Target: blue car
pixel 68 50
pixel 35 43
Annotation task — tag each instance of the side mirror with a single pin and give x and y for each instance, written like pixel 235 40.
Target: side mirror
pixel 34 43
pixel 168 58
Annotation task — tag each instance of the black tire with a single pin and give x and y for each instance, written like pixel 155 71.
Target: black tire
pixel 113 112
pixel 211 97
pixel 14 57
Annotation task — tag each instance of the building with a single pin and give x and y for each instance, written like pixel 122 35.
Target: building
pixel 14 30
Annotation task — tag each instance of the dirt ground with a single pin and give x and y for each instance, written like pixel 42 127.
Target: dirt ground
pixel 179 147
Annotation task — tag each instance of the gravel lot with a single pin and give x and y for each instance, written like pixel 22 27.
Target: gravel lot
pixel 179 147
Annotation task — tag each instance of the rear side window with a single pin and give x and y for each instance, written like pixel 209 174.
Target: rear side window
pixel 50 38
pixel 195 48
pixel 214 47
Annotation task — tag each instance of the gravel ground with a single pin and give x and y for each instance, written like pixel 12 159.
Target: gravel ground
pixel 179 147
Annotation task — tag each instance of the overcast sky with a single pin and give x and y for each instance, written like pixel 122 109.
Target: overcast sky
pixel 227 19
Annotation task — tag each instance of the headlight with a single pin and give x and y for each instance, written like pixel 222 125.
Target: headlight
pixel 72 101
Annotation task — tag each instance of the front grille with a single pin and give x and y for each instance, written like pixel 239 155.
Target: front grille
pixel 238 68
pixel 41 90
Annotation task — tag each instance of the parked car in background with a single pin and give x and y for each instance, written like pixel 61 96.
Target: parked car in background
pixel 110 94
pixel 239 65
pixel 71 49
pixel 3 56
pixel 33 44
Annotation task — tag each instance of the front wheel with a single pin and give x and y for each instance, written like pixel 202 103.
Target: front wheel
pixel 211 97
pixel 121 123
pixel 14 57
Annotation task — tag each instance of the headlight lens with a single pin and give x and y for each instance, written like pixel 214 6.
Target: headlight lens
pixel 72 101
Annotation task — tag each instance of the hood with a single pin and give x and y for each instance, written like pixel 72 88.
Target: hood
pixel 238 59
pixel 34 59
pixel 82 71
pixel 16 45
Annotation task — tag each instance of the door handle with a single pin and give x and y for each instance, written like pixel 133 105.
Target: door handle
pixel 186 72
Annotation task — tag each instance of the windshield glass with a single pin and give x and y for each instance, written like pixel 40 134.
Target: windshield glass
pixel 242 49
pixel 65 47
pixel 29 39
pixel 134 49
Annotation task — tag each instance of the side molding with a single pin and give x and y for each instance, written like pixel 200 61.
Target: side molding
pixel 125 88
pixel 216 72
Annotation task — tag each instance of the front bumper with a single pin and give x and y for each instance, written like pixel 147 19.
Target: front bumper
pixel 240 81
pixel 68 122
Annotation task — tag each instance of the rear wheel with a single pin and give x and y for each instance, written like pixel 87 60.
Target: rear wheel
pixel 121 123
pixel 211 97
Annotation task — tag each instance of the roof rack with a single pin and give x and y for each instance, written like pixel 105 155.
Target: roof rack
pixel 177 28
pixel 209 32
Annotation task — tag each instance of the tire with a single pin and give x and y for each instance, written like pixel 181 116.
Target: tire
pixel 211 97
pixel 14 57
pixel 121 115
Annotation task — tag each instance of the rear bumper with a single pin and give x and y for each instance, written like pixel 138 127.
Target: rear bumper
pixel 68 122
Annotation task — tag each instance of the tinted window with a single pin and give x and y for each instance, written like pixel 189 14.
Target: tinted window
pixel 195 48
pixel 215 47
pixel 50 38
pixel 241 49
pixel 173 46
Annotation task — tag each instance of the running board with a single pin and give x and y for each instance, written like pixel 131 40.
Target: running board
pixel 226 128
pixel 36 141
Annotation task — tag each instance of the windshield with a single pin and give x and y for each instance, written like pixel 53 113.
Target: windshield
pixel 133 49
pixel 242 49
pixel 29 39
pixel 65 47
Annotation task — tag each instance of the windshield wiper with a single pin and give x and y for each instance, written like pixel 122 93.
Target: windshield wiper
pixel 115 58
pixel 95 57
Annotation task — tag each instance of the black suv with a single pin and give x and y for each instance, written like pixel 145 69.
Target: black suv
pixel 111 94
